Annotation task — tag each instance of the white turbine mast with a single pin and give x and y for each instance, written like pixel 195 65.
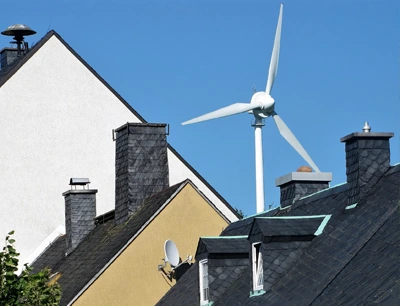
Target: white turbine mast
pixel 262 106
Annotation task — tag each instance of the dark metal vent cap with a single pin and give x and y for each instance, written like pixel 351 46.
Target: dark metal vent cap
pixel 18 30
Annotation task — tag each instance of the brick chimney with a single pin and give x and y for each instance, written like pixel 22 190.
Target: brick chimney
pixel 141 166
pixel 301 183
pixel 367 159
pixel 80 211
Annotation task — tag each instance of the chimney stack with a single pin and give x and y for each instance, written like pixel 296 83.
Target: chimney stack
pixel 141 166
pixel 80 212
pixel 367 159
pixel 9 55
pixel 301 183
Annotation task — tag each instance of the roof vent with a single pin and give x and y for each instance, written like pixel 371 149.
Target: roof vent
pixel 19 31
pixel 366 128
pixel 79 182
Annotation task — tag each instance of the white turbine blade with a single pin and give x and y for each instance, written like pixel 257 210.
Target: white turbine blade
pixel 292 140
pixel 232 109
pixel 273 65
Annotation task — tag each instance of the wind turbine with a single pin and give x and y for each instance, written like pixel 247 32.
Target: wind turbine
pixel 262 105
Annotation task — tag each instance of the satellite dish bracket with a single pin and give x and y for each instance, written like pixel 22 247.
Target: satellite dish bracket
pixel 171 274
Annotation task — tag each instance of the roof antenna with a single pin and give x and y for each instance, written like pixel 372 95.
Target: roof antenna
pixel 48 29
pixel 19 31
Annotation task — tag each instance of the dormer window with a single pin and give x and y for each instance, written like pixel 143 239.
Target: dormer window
pixel 258 275
pixel 203 280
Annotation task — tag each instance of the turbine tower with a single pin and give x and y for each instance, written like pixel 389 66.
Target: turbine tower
pixel 262 106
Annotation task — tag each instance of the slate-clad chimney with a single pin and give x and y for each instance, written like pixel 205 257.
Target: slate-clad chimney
pixel 299 184
pixel 80 212
pixel 141 166
pixel 367 159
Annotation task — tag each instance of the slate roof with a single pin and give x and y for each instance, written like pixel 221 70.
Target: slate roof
pixel 227 245
pixel 98 248
pixel 243 227
pixel 278 258
pixel 223 273
pixel 355 261
pixel 7 72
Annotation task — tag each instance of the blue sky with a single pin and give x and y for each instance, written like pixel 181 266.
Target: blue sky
pixel 175 60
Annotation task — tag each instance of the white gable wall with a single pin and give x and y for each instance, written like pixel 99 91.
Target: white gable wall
pixel 56 120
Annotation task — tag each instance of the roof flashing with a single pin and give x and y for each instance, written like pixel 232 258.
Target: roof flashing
pixel 322 225
pixel 351 206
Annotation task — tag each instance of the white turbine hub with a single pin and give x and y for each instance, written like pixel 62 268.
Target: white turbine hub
pixel 265 101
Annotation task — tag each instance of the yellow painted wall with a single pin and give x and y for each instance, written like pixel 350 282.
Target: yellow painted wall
pixel 133 278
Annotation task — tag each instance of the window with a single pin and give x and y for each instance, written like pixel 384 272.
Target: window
pixel 203 280
pixel 258 275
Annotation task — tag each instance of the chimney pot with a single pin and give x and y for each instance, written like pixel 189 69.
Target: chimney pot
pixel 304 169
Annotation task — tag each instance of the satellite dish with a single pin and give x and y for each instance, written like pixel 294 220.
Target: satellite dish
pixel 171 253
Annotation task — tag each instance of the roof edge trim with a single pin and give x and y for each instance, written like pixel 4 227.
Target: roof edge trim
pixel 98 76
pixel 224 237
pixel 255 215
pixel 208 201
pixel 205 182
pixel 30 53
pixel 295 217
pixel 46 243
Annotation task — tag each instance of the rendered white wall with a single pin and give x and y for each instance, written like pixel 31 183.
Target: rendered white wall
pixel 56 120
